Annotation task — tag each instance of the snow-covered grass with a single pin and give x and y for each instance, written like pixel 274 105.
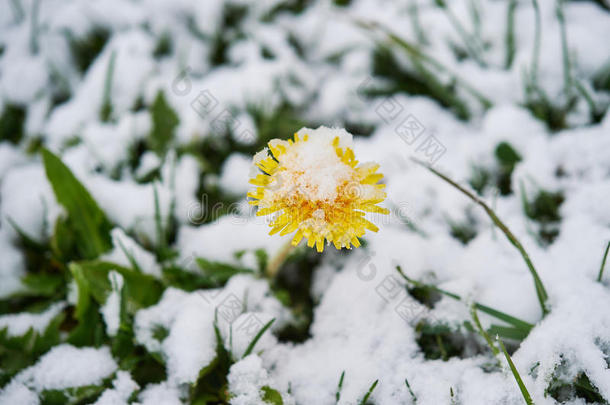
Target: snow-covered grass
pixel 133 270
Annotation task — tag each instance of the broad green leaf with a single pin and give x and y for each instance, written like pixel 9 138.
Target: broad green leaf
pixel 89 223
pixel 141 290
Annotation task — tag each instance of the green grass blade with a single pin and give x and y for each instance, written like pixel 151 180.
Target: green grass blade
pixel 90 225
pixel 340 386
pixel 413 11
pixel 34 28
pixel 533 79
pixel 567 66
pixel 510 34
pixel 595 112
pixel 130 258
pixel 106 108
pixel 472 46
pixel 522 388
pixel 508 332
pixel 516 322
pixel 257 337
pixel 161 240
pixel 410 391
pixel 477 322
pixel 601 269
pixel 368 394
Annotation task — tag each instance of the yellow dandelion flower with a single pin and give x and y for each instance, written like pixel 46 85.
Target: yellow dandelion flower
pixel 314 186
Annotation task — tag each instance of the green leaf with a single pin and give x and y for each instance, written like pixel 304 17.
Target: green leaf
pixel 522 388
pixel 164 122
pixel 84 293
pixel 516 322
pixel 262 258
pixel 43 284
pixel 339 387
pixel 106 109
pixel 219 272
pixel 603 266
pixel 508 332
pixel 139 291
pixel 271 396
pixel 477 322
pixel 19 352
pixel 257 337
pixel 187 280
pixel 73 396
pixel 212 386
pixel 89 223
pixel 142 290
pixel 90 328
pixel 413 397
pixel 63 241
pixel 368 394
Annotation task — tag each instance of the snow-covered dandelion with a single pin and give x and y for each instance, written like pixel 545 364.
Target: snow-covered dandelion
pixel 315 186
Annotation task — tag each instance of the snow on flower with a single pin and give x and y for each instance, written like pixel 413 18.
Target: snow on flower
pixel 315 186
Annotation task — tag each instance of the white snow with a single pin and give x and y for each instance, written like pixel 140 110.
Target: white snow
pixel 111 310
pixel 19 324
pixel 234 175
pixel 123 247
pixel 246 379
pixel 190 345
pixel 161 393
pixel 12 267
pixel 17 393
pixel 66 366
pixel 123 386
pixel 321 66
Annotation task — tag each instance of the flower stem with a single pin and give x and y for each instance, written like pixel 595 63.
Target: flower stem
pixel 540 290
pixel 276 262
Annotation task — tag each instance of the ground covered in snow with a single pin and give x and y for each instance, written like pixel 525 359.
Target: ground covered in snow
pixel 132 269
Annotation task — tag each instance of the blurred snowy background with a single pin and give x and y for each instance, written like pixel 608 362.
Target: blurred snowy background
pixel 132 271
